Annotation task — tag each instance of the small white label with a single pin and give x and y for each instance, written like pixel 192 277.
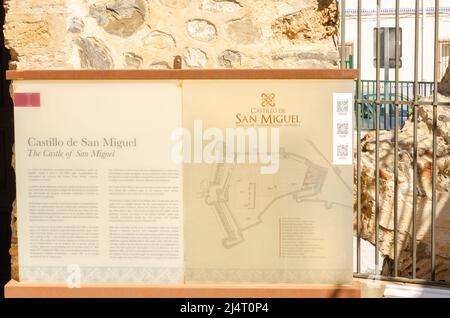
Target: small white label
pixel 343 128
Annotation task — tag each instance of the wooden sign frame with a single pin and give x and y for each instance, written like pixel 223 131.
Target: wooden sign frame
pixel 15 289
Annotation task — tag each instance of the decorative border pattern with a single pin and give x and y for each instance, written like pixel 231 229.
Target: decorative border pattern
pixel 271 276
pixel 55 274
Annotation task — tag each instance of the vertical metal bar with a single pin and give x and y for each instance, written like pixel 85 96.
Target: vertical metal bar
pixel 375 110
pixel 435 101
pixel 387 84
pixel 422 55
pixel 374 119
pixel 401 94
pixel 358 145
pixel 396 104
pixel 415 114
pixel 385 106
pixel 386 56
pixel 343 60
pixel 377 142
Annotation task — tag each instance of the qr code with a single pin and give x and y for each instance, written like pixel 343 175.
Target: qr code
pixel 342 151
pixel 342 129
pixel 342 106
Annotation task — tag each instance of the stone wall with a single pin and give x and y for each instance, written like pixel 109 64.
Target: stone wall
pixel 147 34
pixel 142 34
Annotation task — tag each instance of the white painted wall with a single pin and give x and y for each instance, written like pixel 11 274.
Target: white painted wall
pixel 426 56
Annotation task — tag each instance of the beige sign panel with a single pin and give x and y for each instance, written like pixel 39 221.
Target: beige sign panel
pixel 99 199
pixel 289 226
pixel 259 190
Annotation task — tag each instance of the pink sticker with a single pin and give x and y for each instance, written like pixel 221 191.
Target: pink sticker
pixel 27 99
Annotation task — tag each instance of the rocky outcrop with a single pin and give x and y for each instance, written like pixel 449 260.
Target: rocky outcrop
pixel 309 23
pixel 405 185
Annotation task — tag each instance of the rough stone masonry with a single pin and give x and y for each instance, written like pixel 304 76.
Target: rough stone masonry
pixel 147 34
pixel 143 34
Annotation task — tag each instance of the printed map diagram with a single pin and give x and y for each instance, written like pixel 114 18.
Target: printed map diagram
pixel 240 196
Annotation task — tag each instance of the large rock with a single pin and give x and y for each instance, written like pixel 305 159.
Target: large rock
pixel 120 17
pixel 195 58
pixel 36 34
pixel 159 40
pixel 132 61
pixel 201 30
pixel 244 31
pixel 405 184
pixel 230 59
pixel 94 54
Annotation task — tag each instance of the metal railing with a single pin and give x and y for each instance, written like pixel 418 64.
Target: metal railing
pixel 387 108
pixel 413 102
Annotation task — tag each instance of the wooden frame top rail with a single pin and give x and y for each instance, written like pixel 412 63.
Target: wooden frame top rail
pixel 182 74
